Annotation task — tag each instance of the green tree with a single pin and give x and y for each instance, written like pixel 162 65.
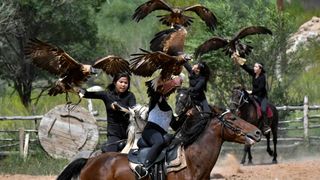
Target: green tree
pixel 69 24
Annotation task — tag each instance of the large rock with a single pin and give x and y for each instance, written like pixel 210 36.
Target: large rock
pixel 307 32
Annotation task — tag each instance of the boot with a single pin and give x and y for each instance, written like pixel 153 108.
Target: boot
pixel 265 121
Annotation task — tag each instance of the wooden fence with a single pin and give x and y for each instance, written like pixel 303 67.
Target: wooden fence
pixel 305 124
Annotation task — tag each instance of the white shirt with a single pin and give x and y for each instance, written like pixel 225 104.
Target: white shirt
pixel 159 117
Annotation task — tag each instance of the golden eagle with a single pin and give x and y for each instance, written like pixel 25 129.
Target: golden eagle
pixel 234 45
pixel 167 54
pixel 71 73
pixel 176 15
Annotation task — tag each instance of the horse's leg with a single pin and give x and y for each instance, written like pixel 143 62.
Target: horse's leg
pixel 245 150
pixel 270 152
pixel 249 155
pixel 275 141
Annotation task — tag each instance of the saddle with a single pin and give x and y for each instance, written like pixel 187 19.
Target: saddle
pixel 170 159
pixel 259 112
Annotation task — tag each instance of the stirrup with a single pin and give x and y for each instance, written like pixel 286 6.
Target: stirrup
pixel 141 171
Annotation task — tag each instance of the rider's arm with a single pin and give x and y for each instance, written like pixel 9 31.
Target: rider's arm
pixel 188 67
pixel 248 69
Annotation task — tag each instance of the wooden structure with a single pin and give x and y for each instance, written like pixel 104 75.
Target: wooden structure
pixel 65 131
pixel 302 126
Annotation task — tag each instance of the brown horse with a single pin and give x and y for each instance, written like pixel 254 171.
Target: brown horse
pixel 208 135
pixel 246 108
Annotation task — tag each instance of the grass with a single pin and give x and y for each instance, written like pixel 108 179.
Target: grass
pixel 37 163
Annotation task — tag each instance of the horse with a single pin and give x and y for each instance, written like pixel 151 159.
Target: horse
pixel 246 107
pixel 206 131
pixel 137 119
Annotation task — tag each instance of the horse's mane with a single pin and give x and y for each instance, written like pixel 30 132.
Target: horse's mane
pixel 193 127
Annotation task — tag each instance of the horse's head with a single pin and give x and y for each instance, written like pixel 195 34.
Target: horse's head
pixel 138 118
pixel 183 101
pixel 238 130
pixel 239 97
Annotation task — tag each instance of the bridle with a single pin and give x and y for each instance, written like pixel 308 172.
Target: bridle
pixel 242 100
pixel 229 124
pixel 187 104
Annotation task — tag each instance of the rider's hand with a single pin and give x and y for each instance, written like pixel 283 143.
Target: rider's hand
pixel 249 92
pixel 115 106
pixel 237 59
pixel 80 91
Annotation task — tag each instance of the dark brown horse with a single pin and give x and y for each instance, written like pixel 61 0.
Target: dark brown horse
pixel 245 107
pixel 208 134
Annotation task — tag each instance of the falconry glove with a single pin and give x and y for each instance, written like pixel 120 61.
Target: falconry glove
pixel 235 56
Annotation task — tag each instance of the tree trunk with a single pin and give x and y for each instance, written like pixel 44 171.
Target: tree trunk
pixel 280 5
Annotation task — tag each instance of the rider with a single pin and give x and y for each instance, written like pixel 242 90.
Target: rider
pixel 160 117
pixel 259 89
pixel 116 96
pixel 198 77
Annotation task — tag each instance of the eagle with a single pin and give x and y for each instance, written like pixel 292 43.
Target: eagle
pixel 167 54
pixel 71 73
pixel 234 45
pixel 176 15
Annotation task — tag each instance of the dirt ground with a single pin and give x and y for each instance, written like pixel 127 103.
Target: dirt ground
pixel 229 168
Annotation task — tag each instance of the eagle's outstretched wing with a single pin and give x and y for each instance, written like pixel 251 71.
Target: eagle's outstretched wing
pixel 146 8
pixel 251 30
pixel 146 63
pixel 210 45
pixel 112 65
pixel 50 58
pixel 244 49
pixel 205 14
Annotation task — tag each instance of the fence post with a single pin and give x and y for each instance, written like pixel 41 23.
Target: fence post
pixel 21 141
pixel 305 119
pixel 26 147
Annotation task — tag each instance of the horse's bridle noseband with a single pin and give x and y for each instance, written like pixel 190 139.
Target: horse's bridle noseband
pixel 228 124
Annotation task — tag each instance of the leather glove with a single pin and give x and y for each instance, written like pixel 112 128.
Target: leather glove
pixel 236 58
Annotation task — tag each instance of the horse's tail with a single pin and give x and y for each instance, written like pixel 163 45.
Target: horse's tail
pixel 73 169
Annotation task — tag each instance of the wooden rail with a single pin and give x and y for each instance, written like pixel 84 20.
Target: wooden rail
pixel 305 126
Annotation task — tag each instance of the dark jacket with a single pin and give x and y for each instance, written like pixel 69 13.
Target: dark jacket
pixel 126 99
pixel 258 84
pixel 197 84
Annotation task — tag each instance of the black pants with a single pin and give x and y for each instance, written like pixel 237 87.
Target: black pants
pixel 117 133
pixel 153 135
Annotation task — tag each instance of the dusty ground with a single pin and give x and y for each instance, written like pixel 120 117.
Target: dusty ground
pixel 303 169
pixel 230 169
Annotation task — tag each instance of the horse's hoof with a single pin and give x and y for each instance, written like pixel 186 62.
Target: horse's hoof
pixel 270 152
pixel 274 161
pixel 242 162
pixel 250 162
